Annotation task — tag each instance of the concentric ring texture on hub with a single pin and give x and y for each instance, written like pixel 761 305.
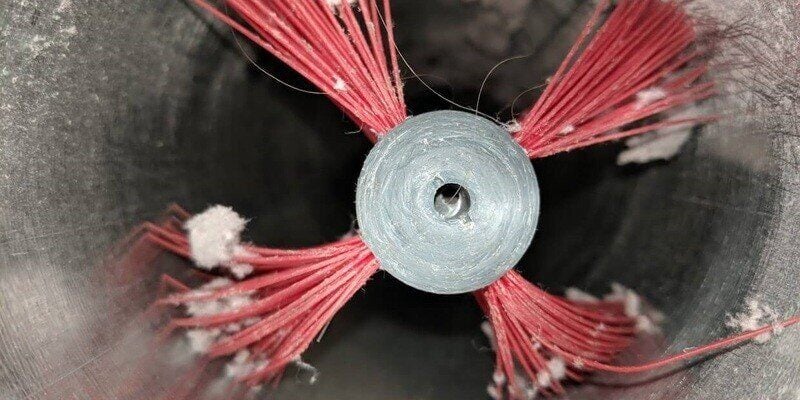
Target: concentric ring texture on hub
pixel 448 202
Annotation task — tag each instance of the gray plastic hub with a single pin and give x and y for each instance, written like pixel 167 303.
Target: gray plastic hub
pixel 447 202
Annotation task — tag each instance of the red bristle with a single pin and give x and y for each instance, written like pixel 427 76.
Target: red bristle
pixel 340 50
pixel 592 98
pixel 531 326
pixel 294 295
pixel 694 352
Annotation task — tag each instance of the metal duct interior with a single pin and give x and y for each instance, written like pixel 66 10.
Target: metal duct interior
pixel 109 113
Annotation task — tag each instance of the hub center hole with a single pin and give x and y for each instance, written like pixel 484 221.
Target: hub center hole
pixel 451 201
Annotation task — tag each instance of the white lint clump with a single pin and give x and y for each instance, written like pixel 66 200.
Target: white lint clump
pixel 649 96
pixel 243 364
pixel 523 389
pixel 493 392
pixel 214 236
pixel 543 378
pixel 336 3
pixel 486 328
pixel 567 130
pixel 499 378
pixel 240 270
pixel 662 144
pixel 304 366
pixel 201 339
pixel 216 283
pixel 575 294
pixel 202 308
pixel 339 85
pixel 557 367
pixel 646 321
pixel 755 316
pixel 556 370
pixel 513 126
pixel 234 327
pixel 215 240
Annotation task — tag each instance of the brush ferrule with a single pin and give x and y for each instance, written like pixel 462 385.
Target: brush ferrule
pixel 448 202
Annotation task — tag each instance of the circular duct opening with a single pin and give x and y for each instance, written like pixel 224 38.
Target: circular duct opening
pixel 109 117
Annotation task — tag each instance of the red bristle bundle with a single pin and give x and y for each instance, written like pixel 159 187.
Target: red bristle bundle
pixel 282 306
pixel 532 329
pixel 344 52
pixel 645 46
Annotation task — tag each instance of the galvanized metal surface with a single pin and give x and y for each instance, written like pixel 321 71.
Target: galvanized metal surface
pixel 109 112
pixel 409 223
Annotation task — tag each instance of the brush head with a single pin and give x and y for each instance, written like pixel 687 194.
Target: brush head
pixel 448 202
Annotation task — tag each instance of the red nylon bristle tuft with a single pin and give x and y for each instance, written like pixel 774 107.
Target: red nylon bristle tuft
pixel 267 320
pixel 342 50
pixel 541 339
pixel 637 64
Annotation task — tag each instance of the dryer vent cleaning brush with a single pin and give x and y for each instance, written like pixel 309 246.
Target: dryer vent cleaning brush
pixel 447 202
